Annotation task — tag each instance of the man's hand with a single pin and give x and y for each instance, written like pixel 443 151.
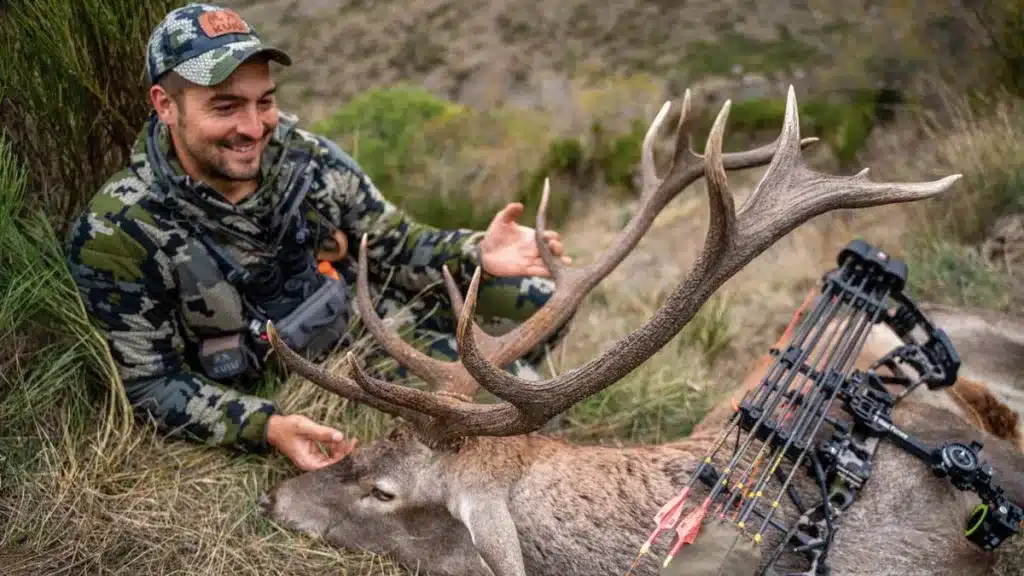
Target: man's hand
pixel 509 249
pixel 296 437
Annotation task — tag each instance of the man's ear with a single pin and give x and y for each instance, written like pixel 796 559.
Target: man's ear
pixel 164 104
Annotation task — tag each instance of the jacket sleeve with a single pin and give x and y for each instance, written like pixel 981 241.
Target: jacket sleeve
pixel 124 287
pixel 410 254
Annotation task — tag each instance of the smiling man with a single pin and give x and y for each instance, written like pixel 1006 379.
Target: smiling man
pixel 225 218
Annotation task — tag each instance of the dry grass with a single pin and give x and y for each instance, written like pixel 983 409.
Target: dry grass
pixel 146 505
pixel 985 142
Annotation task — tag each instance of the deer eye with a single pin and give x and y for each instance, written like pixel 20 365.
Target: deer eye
pixel 381 495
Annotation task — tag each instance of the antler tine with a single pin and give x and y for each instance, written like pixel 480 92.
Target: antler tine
pixel 788 195
pixel 487 342
pixel 443 416
pixel 334 383
pixel 438 374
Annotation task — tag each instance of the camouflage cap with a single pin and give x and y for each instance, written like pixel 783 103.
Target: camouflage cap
pixel 204 43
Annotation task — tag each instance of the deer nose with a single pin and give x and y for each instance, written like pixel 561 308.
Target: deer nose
pixel 265 503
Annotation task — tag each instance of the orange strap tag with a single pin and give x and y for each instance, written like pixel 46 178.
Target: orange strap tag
pixel 327 269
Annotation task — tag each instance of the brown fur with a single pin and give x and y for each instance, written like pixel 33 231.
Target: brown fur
pixel 993 416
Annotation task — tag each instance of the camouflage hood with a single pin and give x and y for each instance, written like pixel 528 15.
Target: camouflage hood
pixel 285 163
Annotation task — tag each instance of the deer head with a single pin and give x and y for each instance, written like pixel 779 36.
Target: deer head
pixel 439 485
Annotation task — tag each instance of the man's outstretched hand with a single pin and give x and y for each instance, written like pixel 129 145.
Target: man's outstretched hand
pixel 509 249
pixel 296 437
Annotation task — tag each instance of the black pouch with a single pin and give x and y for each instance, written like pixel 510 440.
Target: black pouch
pixel 319 323
pixel 227 356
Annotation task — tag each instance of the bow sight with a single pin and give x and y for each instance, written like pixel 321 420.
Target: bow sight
pixel 785 413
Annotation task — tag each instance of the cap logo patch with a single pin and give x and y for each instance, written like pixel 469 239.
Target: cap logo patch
pixel 219 22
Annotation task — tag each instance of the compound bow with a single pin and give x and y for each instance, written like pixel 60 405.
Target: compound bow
pixel 865 289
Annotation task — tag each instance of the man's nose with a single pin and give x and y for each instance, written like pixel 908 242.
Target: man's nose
pixel 250 125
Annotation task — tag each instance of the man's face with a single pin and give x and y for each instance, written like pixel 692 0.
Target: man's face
pixel 221 131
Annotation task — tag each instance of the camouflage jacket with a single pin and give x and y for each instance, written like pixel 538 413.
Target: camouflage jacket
pixel 126 250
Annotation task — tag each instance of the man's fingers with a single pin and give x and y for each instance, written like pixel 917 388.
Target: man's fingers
pixel 306 461
pixel 512 212
pixel 341 449
pixel 557 248
pixel 320 433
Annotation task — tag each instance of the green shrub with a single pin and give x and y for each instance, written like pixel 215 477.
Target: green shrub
pixel 950 272
pixel 564 157
pixel 1003 20
pixel 617 157
pixel 452 166
pixel 973 46
pixel 447 165
pixel 384 130
pixel 843 125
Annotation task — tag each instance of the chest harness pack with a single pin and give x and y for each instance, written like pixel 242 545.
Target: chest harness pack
pixel 309 309
pixel 782 417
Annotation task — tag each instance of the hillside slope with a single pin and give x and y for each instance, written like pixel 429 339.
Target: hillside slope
pixel 484 52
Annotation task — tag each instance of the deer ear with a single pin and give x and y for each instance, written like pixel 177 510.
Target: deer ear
pixel 494 535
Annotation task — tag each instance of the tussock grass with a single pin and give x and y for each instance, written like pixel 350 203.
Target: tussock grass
pixel 72 99
pixel 982 138
pixel 46 341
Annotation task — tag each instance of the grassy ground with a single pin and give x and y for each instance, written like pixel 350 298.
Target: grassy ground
pixel 85 490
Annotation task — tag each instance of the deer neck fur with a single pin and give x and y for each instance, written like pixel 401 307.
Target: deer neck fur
pixel 587 509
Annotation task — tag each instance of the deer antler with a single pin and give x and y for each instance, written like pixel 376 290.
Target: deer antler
pixel 732 241
pixel 573 284
pixel 788 195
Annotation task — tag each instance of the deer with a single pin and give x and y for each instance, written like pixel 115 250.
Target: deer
pixel 459 487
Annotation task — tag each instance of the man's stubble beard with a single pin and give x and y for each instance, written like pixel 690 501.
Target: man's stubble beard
pixel 207 165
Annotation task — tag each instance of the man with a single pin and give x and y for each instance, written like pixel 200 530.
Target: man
pixel 221 221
